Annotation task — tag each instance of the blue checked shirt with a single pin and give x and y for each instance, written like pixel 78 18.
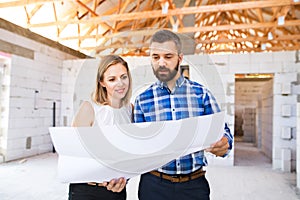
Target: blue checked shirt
pixel 189 99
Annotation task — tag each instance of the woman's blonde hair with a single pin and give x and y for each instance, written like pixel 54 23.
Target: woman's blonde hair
pixel 99 95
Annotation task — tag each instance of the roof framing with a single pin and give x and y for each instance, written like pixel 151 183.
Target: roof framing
pixel 125 26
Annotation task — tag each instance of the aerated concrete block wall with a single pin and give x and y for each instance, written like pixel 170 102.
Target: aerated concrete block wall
pixel 34 84
pixel 284 120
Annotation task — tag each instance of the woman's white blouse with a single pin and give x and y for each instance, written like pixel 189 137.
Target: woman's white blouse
pixel 106 115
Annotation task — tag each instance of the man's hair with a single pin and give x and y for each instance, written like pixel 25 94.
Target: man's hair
pixel 162 36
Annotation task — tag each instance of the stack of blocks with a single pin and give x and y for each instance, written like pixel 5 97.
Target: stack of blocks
pixel 249 129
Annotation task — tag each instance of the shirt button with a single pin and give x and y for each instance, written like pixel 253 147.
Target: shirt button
pixel 173 109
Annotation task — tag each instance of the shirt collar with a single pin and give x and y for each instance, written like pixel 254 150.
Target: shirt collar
pixel 179 83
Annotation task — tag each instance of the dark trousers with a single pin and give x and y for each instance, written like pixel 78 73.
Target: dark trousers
pixel 155 188
pixel 83 191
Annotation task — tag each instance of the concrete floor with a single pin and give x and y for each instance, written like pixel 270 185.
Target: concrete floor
pixel 252 178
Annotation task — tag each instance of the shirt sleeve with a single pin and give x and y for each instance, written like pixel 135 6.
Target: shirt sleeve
pixel 229 137
pixel 138 115
pixel 210 103
pixel 211 106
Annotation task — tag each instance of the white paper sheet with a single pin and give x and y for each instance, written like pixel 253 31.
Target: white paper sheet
pixel 97 154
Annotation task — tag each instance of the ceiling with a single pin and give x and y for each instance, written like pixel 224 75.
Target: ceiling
pixel 124 27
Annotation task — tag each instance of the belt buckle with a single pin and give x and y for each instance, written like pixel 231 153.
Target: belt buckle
pixel 177 178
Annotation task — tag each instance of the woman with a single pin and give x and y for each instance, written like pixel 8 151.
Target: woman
pixel 109 105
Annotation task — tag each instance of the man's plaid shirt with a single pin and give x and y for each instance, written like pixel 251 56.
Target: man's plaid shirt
pixel 189 99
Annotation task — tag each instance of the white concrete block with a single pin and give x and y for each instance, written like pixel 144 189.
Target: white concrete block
pixel 269 67
pixel 285 77
pixel 296 89
pixel 284 56
pixel 286 165
pixel 49 59
pixel 289 67
pixel 279 121
pixel 200 59
pixel 19 62
pixel 277 154
pixel 261 57
pixel 286 110
pixel 280 100
pixel 298 155
pixel 37 140
pixel 298 111
pixel 277 88
pixel 30 152
pixel 45 148
pixel 19 143
pixel 286 133
pixel 286 154
pixel 241 68
pixel 286 88
pixel 230 89
pixel 13 154
pixel 218 60
pixel 230 109
pixel 239 58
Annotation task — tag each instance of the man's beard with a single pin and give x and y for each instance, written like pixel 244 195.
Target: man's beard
pixel 165 77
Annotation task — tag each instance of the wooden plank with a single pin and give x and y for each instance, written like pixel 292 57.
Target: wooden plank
pixel 86 7
pixel 16 49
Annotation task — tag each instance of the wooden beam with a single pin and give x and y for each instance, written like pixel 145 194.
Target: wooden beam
pixel 247 50
pixel 87 8
pixel 220 41
pixel 177 11
pixel 196 29
pixel 238 26
pixel 27 2
pixel 16 49
pixel 250 39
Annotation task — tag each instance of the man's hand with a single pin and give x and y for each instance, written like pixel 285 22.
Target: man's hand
pixel 219 148
pixel 115 185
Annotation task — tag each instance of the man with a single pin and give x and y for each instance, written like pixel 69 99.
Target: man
pixel 174 97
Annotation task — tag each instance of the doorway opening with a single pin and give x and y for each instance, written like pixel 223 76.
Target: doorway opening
pixel 253 119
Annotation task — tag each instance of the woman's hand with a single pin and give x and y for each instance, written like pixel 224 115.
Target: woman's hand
pixel 115 185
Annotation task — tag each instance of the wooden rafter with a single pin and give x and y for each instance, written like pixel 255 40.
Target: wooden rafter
pixel 176 11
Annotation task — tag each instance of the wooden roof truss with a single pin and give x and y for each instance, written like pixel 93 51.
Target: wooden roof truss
pixel 102 27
